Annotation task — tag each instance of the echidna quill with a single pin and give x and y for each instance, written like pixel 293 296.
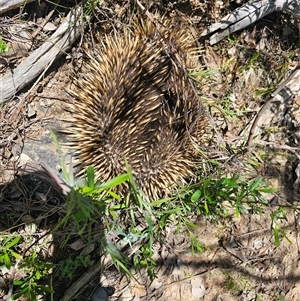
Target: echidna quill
pixel 138 103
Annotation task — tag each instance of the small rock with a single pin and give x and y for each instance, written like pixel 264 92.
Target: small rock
pixel 77 245
pixel 198 287
pixel 88 249
pixel 156 284
pixel 49 27
pixel 99 294
pixel 30 111
pixel 24 160
pixel 232 51
pixel 16 150
pixel 287 31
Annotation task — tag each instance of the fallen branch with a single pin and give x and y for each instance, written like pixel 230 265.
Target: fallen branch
pixel 36 63
pixel 7 5
pixel 248 14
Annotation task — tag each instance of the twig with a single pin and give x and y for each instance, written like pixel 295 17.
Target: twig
pixel 294 150
pixel 43 24
pixel 261 112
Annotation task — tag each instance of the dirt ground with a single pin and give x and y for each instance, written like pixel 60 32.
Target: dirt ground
pixel 240 260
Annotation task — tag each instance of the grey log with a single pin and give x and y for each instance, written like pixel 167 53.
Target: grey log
pixel 248 14
pixel 7 5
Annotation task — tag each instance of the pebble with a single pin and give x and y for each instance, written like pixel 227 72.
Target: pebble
pixel 99 294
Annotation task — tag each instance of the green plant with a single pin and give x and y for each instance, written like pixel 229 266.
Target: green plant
pixel 250 64
pixel 235 284
pixel 129 220
pixel 30 286
pixel 214 197
pixel 7 253
pixel 210 197
pixel 70 265
pixel 278 216
pixel 34 270
pixel 132 225
pixel 3 46
pixel 259 297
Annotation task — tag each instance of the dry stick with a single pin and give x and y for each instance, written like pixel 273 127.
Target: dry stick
pixel 40 77
pixel 58 181
pixel 255 122
pixel 264 107
pixel 23 98
pixel 274 145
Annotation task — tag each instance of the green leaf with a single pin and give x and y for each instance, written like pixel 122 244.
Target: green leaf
pixel 18 282
pixel 115 181
pixel 79 216
pixel 267 190
pixel 135 260
pixel 87 190
pixel 286 237
pixel 38 275
pixel 158 203
pixel 14 254
pixel 276 236
pixel 254 184
pixel 90 177
pixel 3 46
pixel 237 211
pixel 13 242
pixel 114 195
pixel 196 195
pixel 190 224
pixel 6 260
pixel 118 207
pixel 206 207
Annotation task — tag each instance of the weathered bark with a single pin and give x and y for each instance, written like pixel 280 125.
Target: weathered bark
pixel 7 5
pixel 248 14
pixel 43 57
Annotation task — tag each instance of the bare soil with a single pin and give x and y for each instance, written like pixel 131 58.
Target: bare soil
pixel 240 260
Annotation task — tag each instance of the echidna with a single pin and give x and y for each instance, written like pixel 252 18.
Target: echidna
pixel 138 103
